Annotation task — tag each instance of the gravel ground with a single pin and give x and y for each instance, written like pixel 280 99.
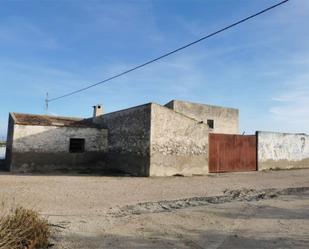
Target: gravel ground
pixel 279 222
pixel 92 211
pixel 95 195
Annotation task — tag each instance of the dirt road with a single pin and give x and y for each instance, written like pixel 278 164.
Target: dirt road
pixel 85 210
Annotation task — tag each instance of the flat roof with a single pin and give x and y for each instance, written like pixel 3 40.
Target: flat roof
pixel 200 104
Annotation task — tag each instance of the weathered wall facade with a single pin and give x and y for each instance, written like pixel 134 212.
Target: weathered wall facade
pixel 282 150
pixel 225 119
pixel 9 143
pixel 179 145
pixel 146 140
pixel 128 140
pixel 34 148
pixel 152 140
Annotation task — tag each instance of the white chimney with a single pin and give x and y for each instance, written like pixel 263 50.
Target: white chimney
pixel 97 111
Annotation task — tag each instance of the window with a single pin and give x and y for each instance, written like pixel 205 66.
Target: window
pixel 211 123
pixel 77 145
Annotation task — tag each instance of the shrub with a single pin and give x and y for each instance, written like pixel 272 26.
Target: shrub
pixel 23 229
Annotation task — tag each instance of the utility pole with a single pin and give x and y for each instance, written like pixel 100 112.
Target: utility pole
pixel 46 104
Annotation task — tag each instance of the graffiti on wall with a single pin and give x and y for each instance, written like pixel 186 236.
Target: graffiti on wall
pixel 282 146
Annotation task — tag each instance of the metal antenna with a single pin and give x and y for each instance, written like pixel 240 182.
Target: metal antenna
pixel 46 103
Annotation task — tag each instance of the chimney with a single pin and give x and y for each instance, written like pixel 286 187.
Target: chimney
pixel 97 111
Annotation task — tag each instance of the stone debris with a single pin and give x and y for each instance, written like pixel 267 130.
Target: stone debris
pixel 243 194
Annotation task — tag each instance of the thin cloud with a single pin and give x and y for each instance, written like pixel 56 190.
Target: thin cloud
pixel 24 33
pixel 291 104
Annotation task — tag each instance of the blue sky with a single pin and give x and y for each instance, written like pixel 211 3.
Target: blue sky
pixel 260 67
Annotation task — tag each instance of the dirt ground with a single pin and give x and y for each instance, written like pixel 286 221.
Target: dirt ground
pixel 271 210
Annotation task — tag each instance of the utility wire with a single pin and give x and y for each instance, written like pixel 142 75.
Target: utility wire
pixel 169 53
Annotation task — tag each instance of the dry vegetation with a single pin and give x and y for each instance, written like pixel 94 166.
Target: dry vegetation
pixel 23 228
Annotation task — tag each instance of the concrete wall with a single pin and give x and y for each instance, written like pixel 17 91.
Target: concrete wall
pixel 2 152
pixel 282 150
pixel 9 144
pixel 225 119
pixel 179 145
pixel 46 148
pixel 128 140
pixel 2 157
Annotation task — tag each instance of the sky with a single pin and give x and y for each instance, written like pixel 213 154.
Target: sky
pixel 260 67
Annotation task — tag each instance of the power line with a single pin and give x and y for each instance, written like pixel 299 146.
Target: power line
pixel 169 53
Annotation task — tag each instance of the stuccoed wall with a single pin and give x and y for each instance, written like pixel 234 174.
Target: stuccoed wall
pixel 225 119
pixel 282 150
pixel 46 148
pixel 28 138
pixel 179 145
pixel 9 144
pixel 128 140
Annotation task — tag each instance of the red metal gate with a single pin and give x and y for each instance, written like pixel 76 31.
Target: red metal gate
pixel 228 153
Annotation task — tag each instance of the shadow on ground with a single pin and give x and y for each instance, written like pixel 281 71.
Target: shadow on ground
pixel 204 239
